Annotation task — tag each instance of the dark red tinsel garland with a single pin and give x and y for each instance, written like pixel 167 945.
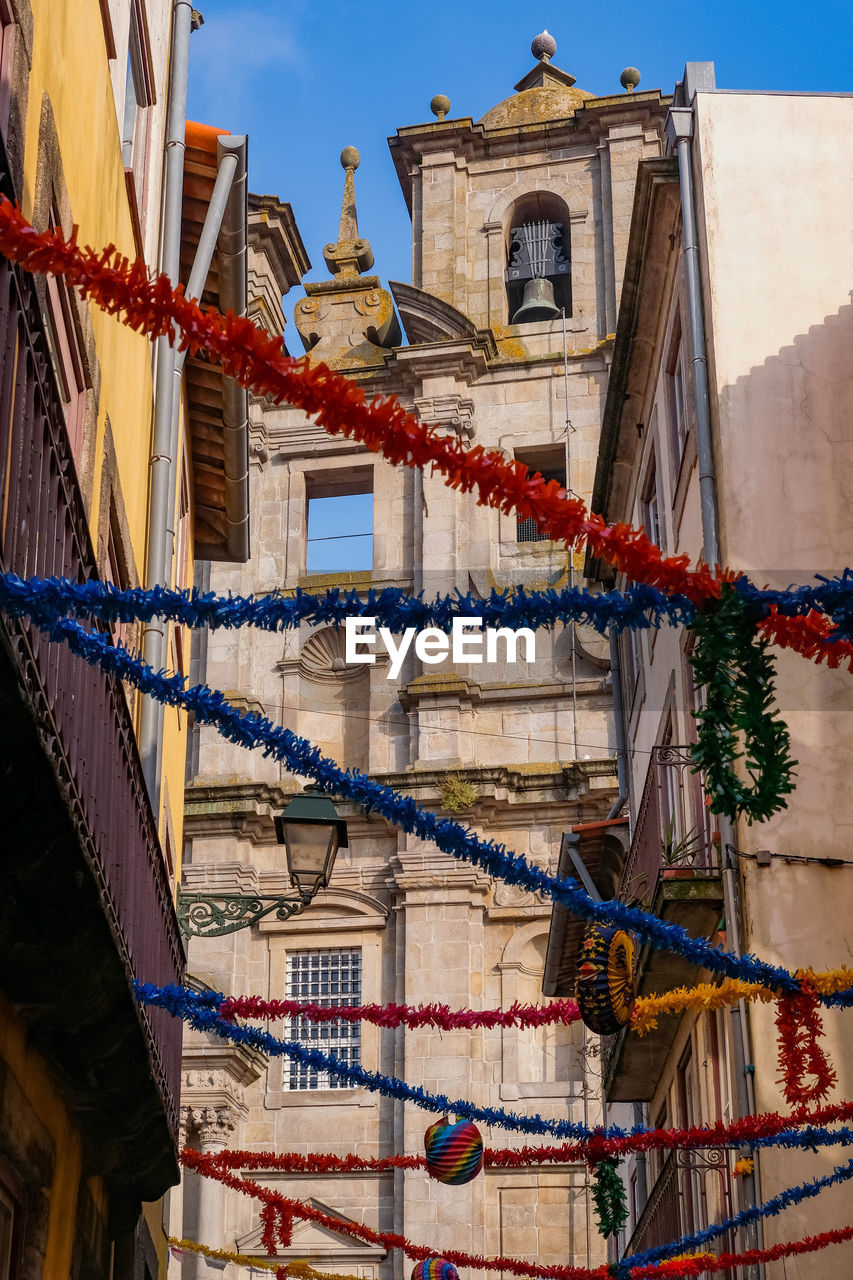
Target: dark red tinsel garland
pixel 806 1075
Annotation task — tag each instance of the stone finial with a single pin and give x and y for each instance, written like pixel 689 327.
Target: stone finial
pixel 440 105
pixel 629 79
pixel 544 46
pixel 351 254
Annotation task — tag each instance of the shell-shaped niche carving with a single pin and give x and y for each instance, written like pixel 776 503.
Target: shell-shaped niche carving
pixel 322 658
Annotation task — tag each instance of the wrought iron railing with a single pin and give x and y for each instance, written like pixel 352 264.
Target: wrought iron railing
pixel 82 714
pixel 693 1189
pixel 674 830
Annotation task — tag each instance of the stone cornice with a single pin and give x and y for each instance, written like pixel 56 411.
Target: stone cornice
pixel 466 140
pixel 505 795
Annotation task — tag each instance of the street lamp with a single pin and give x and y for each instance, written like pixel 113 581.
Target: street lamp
pixel 312 832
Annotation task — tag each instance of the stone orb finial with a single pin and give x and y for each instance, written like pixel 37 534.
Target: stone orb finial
pixel 629 79
pixel 440 105
pixel 350 159
pixel 544 46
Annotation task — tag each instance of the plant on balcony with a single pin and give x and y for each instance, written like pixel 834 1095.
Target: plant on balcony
pixel 684 849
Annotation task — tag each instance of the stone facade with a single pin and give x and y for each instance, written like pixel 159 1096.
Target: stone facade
pixel 523 751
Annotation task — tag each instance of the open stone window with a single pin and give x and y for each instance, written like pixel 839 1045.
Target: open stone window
pixel 538 273
pixel 340 521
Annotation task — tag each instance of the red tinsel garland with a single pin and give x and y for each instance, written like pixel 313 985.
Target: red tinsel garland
pixel 256 360
pixel 248 354
pixel 563 1012
pixel 736 1133
pixel 799 1027
pixel 808 636
pixel 202 1163
pixel 277 1207
pixel 729 1261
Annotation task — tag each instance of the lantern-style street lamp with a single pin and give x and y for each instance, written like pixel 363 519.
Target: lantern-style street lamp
pixel 312 832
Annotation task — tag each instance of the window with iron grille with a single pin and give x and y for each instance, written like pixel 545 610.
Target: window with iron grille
pixel 550 462
pixel 326 978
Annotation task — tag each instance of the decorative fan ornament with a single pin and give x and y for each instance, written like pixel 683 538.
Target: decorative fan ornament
pixel 605 982
pixel 454 1152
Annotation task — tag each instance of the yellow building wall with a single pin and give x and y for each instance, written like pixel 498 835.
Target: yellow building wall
pixel 70 66
pixel 40 1092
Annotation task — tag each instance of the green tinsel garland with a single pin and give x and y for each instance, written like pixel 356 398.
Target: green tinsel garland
pixel 737 672
pixel 608 1196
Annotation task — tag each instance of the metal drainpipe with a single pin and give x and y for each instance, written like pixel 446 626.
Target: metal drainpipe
pixel 679 133
pixel 226 177
pixel 618 726
pixel 153 634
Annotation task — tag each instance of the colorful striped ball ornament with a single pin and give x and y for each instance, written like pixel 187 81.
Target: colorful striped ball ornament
pixel 434 1269
pixel 454 1152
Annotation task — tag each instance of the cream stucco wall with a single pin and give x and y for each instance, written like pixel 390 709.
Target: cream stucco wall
pixel 777 266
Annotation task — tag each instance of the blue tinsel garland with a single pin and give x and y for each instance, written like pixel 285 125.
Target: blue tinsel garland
pixel 638 606
pixel 252 730
pixel 793 1195
pixel 201 1011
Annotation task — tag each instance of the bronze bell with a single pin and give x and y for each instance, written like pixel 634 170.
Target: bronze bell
pixel 538 302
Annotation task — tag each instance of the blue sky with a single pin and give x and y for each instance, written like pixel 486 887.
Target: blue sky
pixel 306 79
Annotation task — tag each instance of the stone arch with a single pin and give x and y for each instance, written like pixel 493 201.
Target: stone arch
pixel 334 699
pixel 514 951
pixel 540 1062
pixel 532 200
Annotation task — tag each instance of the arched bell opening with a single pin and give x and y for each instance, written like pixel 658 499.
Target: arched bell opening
pixel 538 255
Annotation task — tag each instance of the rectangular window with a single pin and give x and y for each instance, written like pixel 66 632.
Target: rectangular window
pixel 677 395
pixel 65 355
pixel 10 1225
pixel 340 521
pixel 8 32
pixel 550 462
pixel 115 572
pixel 650 506
pixel 136 122
pixel 325 978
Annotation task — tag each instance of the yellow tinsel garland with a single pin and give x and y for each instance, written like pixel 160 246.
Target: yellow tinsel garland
pixel 302 1270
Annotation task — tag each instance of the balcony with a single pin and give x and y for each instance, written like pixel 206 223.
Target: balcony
pixel 693 1190
pixel 672 869
pixel 85 900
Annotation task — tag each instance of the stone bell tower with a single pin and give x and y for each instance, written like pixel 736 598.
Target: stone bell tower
pixel 529 205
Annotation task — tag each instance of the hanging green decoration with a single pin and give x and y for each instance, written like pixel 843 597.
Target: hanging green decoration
pixel 608 1196
pixel 738 720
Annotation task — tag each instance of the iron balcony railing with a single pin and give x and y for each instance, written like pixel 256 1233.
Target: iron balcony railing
pixel 693 1189
pixel 674 829
pixel 82 714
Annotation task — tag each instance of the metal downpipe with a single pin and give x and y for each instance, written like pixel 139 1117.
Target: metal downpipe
pixel 162 459
pixel 679 130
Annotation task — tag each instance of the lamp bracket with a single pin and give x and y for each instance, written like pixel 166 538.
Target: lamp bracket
pixel 210 915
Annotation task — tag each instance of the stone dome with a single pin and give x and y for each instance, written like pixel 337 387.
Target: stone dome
pixel 535 106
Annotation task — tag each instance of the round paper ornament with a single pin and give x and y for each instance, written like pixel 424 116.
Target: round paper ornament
pixel 454 1152
pixel 605 984
pixel 434 1269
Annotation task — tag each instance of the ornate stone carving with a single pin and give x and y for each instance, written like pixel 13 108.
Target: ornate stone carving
pixel 212 1126
pixel 453 412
